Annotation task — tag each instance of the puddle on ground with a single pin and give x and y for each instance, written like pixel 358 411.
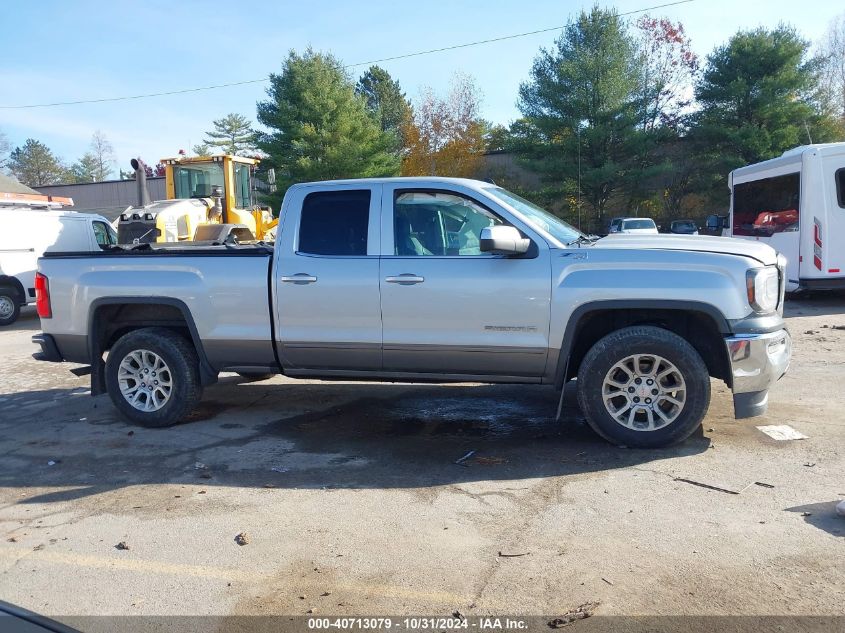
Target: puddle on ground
pixel 478 412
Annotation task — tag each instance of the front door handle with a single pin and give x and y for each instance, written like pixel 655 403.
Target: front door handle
pixel 300 278
pixel 405 279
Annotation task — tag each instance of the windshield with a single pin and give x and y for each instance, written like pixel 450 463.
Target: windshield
pixel 639 224
pixel 536 216
pixel 684 225
pixel 194 180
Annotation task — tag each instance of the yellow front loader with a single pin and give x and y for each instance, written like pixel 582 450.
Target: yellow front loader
pixel 201 191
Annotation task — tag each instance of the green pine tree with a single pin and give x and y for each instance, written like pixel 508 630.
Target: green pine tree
pixel 85 169
pixel 756 101
pixel 320 129
pixel 35 165
pixel 385 100
pixel 581 101
pixel 233 134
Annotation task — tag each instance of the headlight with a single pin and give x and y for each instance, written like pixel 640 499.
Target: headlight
pixel 763 288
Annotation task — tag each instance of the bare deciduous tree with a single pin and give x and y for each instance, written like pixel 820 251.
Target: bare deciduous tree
pixel 102 155
pixel 833 69
pixel 5 149
pixel 668 67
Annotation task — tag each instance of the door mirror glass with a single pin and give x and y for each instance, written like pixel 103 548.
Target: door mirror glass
pixel 503 240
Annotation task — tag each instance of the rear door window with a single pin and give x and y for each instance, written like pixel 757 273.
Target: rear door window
pixel 840 187
pixel 335 223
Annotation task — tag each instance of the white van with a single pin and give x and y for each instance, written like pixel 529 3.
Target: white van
pixel 26 234
pixel 796 204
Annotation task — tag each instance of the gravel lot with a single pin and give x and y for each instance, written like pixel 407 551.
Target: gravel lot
pixel 352 503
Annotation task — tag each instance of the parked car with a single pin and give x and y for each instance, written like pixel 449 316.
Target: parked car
pixel 643 226
pixel 432 279
pixel 26 234
pixel 683 227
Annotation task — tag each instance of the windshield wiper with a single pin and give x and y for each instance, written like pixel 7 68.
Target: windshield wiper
pixel 584 239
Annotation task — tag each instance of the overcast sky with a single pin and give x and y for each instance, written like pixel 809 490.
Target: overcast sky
pixel 65 51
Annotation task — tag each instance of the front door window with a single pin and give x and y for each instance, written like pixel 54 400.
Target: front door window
pixel 438 224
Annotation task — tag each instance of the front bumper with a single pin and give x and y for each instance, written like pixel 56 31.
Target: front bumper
pixel 757 362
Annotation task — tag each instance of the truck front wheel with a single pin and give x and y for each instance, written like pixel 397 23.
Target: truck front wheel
pixel 152 376
pixel 643 386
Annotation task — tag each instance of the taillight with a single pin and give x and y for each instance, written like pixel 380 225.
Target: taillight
pixel 42 296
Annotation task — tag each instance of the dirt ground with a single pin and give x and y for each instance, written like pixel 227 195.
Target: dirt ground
pixel 352 503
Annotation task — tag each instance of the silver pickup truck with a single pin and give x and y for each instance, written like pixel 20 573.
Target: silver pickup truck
pixel 428 279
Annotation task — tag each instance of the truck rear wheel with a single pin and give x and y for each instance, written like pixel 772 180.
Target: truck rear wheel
pixel 10 307
pixel 152 376
pixel 643 386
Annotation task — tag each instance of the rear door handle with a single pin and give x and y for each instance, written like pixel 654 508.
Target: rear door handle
pixel 300 278
pixel 405 279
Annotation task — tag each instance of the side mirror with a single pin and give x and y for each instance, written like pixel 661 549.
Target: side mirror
pixel 503 240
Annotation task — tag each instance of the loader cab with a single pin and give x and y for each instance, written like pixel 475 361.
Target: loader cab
pixel 202 177
pixel 197 176
pixel 200 190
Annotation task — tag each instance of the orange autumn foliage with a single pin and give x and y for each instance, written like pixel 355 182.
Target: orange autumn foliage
pixel 444 137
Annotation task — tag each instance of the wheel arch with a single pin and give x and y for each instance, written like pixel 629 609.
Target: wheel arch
pixel 9 281
pixel 109 318
pixel 591 321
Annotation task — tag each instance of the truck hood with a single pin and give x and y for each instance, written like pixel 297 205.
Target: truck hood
pixel 763 253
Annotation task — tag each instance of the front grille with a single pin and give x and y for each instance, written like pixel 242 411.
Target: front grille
pixel 142 230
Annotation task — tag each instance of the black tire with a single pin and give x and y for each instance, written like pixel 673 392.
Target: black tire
pixel 255 376
pixel 181 359
pixel 616 347
pixel 10 306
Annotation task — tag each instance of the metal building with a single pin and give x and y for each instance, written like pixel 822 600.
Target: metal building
pixel 109 198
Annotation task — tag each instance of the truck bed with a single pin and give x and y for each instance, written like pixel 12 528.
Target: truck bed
pixel 222 289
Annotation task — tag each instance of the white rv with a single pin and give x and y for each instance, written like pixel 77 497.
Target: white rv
pixel 796 204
